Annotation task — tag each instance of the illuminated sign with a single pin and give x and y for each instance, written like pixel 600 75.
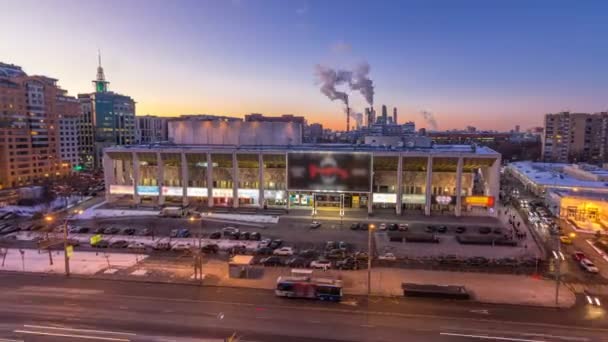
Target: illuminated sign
pixel 147 190
pixel 326 171
pixel 222 192
pixel 479 201
pixel 274 194
pixel 444 199
pixel 196 192
pixel 121 189
pixel 248 193
pixel 414 199
pixel 172 191
pixel 384 198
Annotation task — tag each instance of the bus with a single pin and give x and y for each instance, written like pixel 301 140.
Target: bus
pixel 312 288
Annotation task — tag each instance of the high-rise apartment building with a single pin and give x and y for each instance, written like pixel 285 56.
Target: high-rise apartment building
pixel 575 137
pixel 68 109
pixel 150 129
pixel 108 119
pixel 30 109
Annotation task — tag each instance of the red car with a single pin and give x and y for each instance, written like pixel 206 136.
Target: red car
pixel 578 256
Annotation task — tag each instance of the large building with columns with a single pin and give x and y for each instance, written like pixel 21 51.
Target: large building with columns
pixel 443 179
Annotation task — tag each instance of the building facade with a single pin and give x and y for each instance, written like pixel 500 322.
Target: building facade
pixel 30 109
pixel 452 180
pixel 69 112
pixel 108 119
pixel 151 129
pixel 575 137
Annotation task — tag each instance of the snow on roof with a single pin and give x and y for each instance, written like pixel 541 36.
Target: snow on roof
pixel 552 175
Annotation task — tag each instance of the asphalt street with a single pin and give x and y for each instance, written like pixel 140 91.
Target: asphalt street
pixel 54 308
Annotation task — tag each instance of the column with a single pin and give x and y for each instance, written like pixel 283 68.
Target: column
pixel 108 174
pixel 184 165
pixel 235 181
pixel 495 184
pixel 136 198
pixel 286 182
pixel 370 196
pixel 399 185
pixel 429 183
pixel 458 209
pixel 209 181
pixel 261 179
pixel 160 177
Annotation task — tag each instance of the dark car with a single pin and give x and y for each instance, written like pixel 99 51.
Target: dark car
pixel 111 230
pixel 73 242
pixel 271 261
pixel 485 230
pixel 128 231
pixel 244 235
pixel 145 232
pixel 461 229
pixel 210 249
pixel 264 251
pixel 274 244
pixel 361 256
pixel 393 227
pixel 364 226
pixel 308 253
pixel 442 229
pixel 335 254
pixel 497 231
pixel 430 229
pixel 347 264
pixel 9 229
pixel 354 226
pixel 255 236
pixel 99 230
pixel 119 244
pixel 101 244
pixel 183 233
pixel 215 235
pixel 83 230
pixel 297 262
pixel 329 245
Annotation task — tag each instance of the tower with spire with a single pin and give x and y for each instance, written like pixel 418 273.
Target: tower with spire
pixel 101 85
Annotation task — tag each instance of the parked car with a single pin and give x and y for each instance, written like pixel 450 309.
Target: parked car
pixel 387 256
pixel 485 230
pixel 99 230
pixel 354 226
pixel 264 251
pixel 347 264
pixel 128 231
pixel 361 256
pixel 578 256
pixel 9 229
pixel 404 227
pixel 393 227
pixel 210 249
pixel 308 253
pixel 180 233
pixel 101 244
pixel 342 245
pixel 73 242
pixel 119 244
pixel 181 246
pixel 162 246
pixel 71 230
pixel 315 224
pixel 322 264
pixel 588 266
pixel 335 254
pixel 145 232
pixel 83 230
pixel 265 243
pixel 255 236
pixel 136 245
pixel 364 226
pixel 329 245
pixel 271 261
pixel 215 235
pixel 382 226
pixel 461 229
pixel 229 231
pixel 430 229
pixel 274 244
pixel 442 229
pixel 283 251
pixel 297 262
pixel 238 249
pixel 111 230
pixel 244 235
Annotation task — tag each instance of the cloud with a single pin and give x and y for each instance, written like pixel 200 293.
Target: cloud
pixel 341 47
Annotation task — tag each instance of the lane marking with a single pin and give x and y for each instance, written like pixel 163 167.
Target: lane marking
pixel 7 340
pixel 86 337
pixel 494 331
pixel 496 338
pixel 367 326
pixel 483 312
pixel 78 330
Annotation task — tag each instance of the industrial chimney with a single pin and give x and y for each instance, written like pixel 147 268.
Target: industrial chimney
pixel 347 118
pixel 395 115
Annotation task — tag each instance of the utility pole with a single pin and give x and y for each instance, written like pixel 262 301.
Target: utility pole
pixel 557 271
pixel 369 258
pixel 65 248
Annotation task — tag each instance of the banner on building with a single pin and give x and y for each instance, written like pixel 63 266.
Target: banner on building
pixel 384 198
pixel 479 201
pixel 414 199
pixel 196 192
pixel 121 189
pixel 327 171
pixel 147 190
pixel 444 199
pixel 172 191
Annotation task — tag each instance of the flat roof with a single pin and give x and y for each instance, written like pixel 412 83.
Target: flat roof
pixel 552 175
pixel 582 194
pixel 466 149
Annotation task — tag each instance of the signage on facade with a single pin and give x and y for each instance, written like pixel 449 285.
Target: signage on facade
pixel 384 198
pixel 274 194
pixel 121 189
pixel 147 190
pixel 172 191
pixel 327 171
pixel 196 192
pixel 479 201
pixel 444 199
pixel 249 193
pixel 217 193
pixel 414 199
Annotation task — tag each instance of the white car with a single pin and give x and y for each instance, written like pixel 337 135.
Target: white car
pixel 180 246
pixel 382 226
pixel 283 251
pixel 588 266
pixel 136 245
pixel 264 243
pixel 321 264
pixel 387 256
pixel 315 224
pixel 403 227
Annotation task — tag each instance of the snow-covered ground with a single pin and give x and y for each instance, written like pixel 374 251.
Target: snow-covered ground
pixel 57 204
pixel 80 262
pixel 245 218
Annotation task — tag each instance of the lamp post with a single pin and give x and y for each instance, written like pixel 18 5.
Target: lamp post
pixel 559 256
pixel 369 258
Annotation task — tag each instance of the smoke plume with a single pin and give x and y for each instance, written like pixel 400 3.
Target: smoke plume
pixel 361 82
pixel 429 118
pixel 330 78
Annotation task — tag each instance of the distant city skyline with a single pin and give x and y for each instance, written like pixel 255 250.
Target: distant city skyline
pixel 489 65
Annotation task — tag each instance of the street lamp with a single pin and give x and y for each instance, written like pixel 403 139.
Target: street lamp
pixel 558 256
pixel 369 258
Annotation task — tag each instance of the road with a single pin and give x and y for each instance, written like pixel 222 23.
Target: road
pixel 54 308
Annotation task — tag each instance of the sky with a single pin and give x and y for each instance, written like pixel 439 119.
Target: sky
pixel 489 64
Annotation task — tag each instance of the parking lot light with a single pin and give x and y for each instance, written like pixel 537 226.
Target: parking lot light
pixel 572 235
pixel 555 255
pixel 597 301
pixel 48 218
pixel 589 300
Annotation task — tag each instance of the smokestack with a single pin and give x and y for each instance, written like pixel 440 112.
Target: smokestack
pixel 395 115
pixel 371 109
pixel 384 115
pixel 347 119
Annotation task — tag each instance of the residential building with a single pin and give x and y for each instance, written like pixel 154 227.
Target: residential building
pixel 108 119
pixel 30 107
pixel 575 137
pixel 69 111
pixel 151 129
